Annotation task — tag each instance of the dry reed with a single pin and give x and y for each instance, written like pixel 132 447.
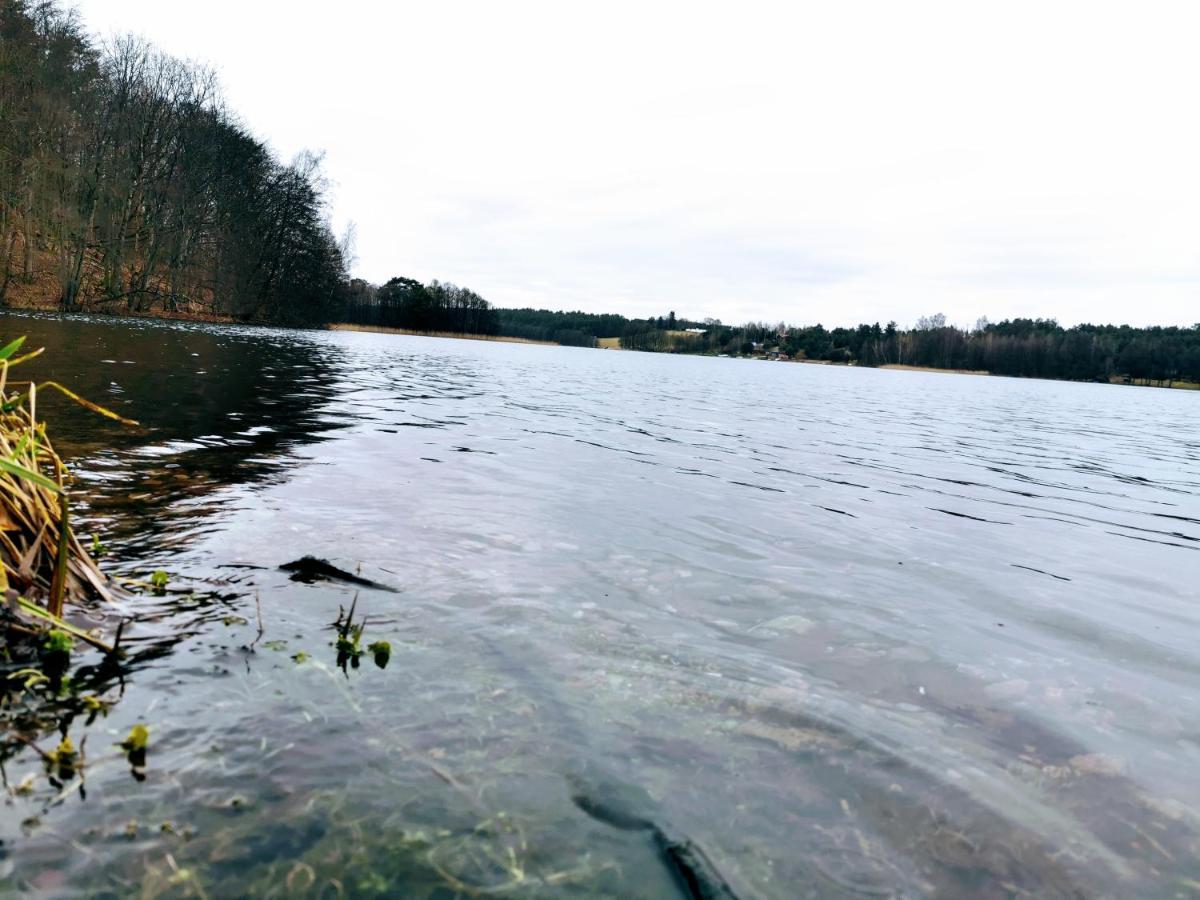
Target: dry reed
pixel 43 565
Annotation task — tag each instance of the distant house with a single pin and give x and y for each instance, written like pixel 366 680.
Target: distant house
pixel 696 330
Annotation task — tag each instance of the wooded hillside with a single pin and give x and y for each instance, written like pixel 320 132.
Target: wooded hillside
pixel 126 185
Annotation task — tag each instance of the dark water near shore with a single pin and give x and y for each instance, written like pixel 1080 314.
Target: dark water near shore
pixel 850 632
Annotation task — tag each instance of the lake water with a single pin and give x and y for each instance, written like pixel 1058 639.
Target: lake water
pixel 820 631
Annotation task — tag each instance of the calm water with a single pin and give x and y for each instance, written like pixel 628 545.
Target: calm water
pixel 843 632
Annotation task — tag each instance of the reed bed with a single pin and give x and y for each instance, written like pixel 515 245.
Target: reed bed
pixel 43 564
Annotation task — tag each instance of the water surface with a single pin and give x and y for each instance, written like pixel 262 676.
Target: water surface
pixel 848 632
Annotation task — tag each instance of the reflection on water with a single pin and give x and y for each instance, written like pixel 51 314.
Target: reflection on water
pixel 220 408
pixel 805 631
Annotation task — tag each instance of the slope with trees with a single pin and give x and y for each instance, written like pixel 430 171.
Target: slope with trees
pixel 126 186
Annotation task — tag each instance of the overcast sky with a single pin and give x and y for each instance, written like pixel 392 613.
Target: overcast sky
pixel 827 161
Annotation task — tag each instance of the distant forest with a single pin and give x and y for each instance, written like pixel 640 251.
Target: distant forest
pixel 127 187
pixel 1039 348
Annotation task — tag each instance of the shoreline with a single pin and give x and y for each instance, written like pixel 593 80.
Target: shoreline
pixel 601 343
pixel 169 315
pixel 1116 380
pixel 454 335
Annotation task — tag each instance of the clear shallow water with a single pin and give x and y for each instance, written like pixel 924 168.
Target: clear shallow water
pixel 851 632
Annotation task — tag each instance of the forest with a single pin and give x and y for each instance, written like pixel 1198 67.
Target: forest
pixel 407 304
pixel 127 186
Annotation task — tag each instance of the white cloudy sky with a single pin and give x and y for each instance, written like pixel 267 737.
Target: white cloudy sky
pixel 808 161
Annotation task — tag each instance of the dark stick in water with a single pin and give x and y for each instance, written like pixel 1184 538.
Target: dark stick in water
pixel 309 569
pixel 604 796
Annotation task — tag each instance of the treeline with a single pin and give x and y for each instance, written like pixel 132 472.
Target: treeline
pixel 575 329
pixel 407 303
pixel 1039 348
pixel 126 186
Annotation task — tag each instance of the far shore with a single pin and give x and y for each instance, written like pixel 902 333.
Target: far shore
pixel 1115 379
pixel 903 368
pixel 900 367
pixel 608 343
pixel 379 329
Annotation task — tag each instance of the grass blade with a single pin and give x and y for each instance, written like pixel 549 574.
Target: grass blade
pixel 88 404
pixel 58 585
pixel 12 347
pixel 15 469
pixel 30 355
pixel 62 625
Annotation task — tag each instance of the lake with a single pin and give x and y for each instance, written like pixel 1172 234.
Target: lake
pixel 810 631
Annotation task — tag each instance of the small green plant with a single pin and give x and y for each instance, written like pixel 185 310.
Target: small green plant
pixel 58 642
pixel 94 706
pixel 382 651
pixel 64 760
pixel 56 654
pixel 159 581
pixel 348 644
pixel 139 737
pixel 349 636
pixel 99 550
pixel 135 749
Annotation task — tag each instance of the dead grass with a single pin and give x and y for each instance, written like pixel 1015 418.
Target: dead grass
pixel 43 564
pixel 903 368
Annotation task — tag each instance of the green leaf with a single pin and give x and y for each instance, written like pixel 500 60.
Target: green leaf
pixel 58 642
pixel 12 468
pixel 11 348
